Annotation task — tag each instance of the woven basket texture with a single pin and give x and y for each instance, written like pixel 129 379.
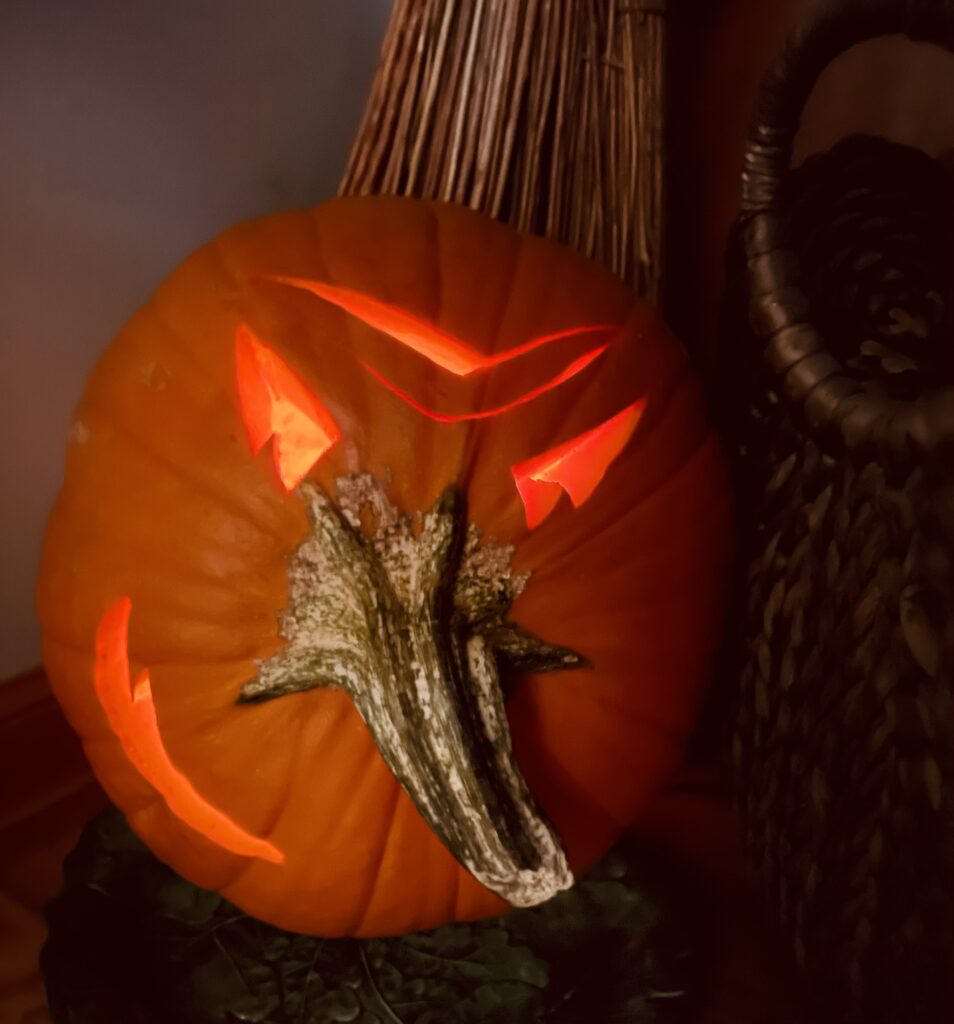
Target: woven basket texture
pixel 844 631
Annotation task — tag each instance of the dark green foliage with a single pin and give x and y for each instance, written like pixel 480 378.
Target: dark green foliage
pixel 133 943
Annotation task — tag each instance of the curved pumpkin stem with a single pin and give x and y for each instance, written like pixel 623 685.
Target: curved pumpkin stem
pixel 411 622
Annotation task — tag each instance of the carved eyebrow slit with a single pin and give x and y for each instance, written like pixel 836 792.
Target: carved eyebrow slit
pixel 435 345
pixel 575 466
pixel 274 403
pixel 575 367
pixel 131 712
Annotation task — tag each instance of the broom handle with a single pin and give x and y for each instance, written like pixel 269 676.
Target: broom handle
pixel 835 405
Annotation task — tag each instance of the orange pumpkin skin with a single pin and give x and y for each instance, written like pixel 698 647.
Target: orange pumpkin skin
pixel 163 501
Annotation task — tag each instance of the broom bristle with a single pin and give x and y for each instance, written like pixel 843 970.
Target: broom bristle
pixel 546 114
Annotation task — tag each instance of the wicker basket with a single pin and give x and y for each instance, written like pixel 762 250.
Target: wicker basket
pixel 839 368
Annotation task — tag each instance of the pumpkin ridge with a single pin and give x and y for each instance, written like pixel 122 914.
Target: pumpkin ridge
pixel 267 829
pixel 676 472
pixel 162 297
pixel 138 549
pixel 310 220
pixel 311 216
pixel 671 485
pixel 375 873
pixel 456 895
pixel 475 431
pixel 247 866
pixel 81 647
pixel 149 797
pixel 153 310
pixel 200 483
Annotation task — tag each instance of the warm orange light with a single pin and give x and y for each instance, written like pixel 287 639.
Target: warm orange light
pixel 435 345
pixel 132 715
pixel 572 370
pixel 576 466
pixel 275 403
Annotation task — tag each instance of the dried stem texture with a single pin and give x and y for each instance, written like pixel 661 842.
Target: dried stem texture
pixel 546 114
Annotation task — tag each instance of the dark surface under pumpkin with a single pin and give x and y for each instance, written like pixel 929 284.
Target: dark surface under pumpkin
pixel 131 942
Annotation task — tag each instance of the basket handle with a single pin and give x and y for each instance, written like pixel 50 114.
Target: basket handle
pixel 835 404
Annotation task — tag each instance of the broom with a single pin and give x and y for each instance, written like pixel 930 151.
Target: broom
pixel 545 114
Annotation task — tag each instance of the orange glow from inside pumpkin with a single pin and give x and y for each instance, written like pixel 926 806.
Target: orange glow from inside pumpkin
pixel 131 712
pixel 576 466
pixel 437 346
pixel 274 403
pixel 571 371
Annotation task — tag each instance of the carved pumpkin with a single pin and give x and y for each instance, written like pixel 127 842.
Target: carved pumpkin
pixel 366 485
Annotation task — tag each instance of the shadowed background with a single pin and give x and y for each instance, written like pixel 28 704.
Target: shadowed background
pixel 134 131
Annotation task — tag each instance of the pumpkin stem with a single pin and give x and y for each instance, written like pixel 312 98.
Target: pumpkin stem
pixel 408 614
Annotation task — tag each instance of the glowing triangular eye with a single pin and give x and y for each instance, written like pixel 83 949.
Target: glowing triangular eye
pixel 132 715
pixel 437 346
pixel 275 403
pixel 576 466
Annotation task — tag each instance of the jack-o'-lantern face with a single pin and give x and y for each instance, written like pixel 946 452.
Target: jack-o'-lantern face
pixel 367 622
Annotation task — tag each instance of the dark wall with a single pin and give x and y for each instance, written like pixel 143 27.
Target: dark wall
pixel 719 49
